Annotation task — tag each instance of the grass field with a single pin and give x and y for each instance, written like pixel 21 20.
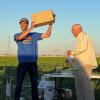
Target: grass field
pixel 45 65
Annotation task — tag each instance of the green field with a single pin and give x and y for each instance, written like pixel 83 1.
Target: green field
pixel 45 65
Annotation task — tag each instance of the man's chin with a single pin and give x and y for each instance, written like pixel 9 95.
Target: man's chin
pixel 24 29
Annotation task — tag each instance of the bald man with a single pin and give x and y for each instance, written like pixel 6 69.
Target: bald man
pixel 84 61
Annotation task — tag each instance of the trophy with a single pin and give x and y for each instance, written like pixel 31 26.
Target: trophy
pixel 43 18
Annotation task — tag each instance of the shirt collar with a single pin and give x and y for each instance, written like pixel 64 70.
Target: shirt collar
pixel 79 35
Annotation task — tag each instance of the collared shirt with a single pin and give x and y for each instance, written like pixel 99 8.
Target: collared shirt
pixel 84 50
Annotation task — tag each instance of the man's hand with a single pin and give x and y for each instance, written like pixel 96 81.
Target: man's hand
pixel 32 27
pixel 69 52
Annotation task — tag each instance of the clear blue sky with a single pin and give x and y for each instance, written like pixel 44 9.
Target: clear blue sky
pixel 68 12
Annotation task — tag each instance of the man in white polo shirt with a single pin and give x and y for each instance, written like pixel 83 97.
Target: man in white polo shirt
pixel 84 61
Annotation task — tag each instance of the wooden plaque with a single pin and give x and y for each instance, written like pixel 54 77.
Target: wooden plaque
pixel 43 18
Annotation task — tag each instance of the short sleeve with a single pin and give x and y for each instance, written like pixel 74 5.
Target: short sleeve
pixel 15 36
pixel 36 36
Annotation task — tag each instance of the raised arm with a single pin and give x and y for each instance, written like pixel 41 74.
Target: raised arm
pixel 48 33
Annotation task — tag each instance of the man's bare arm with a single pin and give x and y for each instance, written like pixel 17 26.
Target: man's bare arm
pixel 24 34
pixel 48 33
